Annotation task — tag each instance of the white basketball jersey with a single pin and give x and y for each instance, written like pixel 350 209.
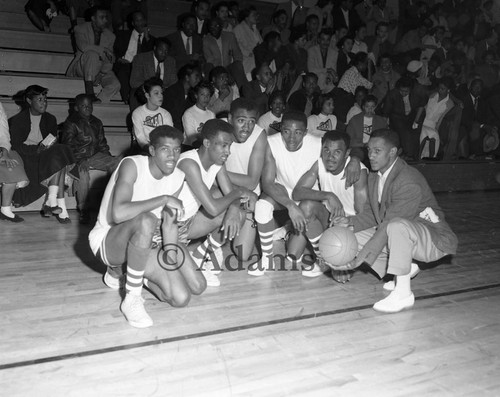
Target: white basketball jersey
pixel 145 187
pixel 335 184
pixel 290 166
pixel 189 200
pixel 239 159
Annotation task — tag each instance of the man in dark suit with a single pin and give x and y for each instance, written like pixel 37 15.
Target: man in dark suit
pixel 128 44
pixel 202 11
pixel 94 56
pixel 346 16
pixel 221 49
pixel 401 222
pixel 156 63
pixel 260 88
pixel 488 44
pixel 176 99
pixel 306 98
pixel 295 11
pixel 187 46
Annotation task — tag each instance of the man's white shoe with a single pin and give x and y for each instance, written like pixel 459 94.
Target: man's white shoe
pixel 132 308
pixel 390 285
pixel 258 269
pixel 112 282
pixel 219 258
pixel 393 303
pixel 280 233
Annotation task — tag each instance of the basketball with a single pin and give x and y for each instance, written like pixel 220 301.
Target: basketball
pixel 338 246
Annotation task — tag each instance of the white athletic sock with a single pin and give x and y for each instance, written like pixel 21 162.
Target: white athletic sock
pixel 62 204
pixel 403 287
pixel 7 211
pixel 52 196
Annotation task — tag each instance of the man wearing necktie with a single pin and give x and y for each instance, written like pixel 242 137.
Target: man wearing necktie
pixel 94 56
pixel 128 44
pixel 401 223
pixel 187 45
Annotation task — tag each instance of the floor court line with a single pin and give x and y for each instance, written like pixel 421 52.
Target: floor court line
pixel 198 335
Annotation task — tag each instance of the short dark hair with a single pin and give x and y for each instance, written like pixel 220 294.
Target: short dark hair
pixel 309 75
pixel 218 6
pixel 244 13
pixel 322 98
pixel 380 24
pixel 243 103
pixel 359 57
pixel 359 89
pixel 447 81
pixel 183 18
pixel 187 70
pixel 33 90
pixel 336 135
pixel 217 71
pixel 311 17
pixel 296 33
pixel 92 12
pixel 80 98
pixel 272 35
pixel 278 13
pixel 274 95
pixel 213 126
pixel 150 83
pixel 165 131
pixel 204 84
pixel 370 98
pixel 163 40
pixel 388 135
pixel 341 42
pixel 406 82
pixel 326 31
pixel 294 115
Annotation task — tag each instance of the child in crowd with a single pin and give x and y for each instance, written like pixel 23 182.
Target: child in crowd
pixel 194 117
pixel 318 124
pixel 271 121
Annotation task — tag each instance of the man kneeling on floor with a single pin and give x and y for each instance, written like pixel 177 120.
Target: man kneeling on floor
pixel 401 222
pixel 142 194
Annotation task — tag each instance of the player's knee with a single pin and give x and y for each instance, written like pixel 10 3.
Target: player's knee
pixel 307 207
pixel 180 298
pixel 198 286
pixel 263 211
pixel 146 223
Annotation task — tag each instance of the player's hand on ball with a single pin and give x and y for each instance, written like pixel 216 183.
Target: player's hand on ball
pixel 340 221
pixel 335 207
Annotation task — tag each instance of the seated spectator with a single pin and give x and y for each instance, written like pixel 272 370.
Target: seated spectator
pixel 362 125
pixel 248 38
pixel 438 18
pixel 186 45
pixel 156 63
pixel 412 42
pixel 150 115
pixel 489 69
pixel 442 54
pixel 295 11
pixel 194 117
pixel 344 55
pixel 220 48
pixel 94 56
pixel 381 43
pixel 322 59
pixel 78 9
pixel 272 52
pixel 305 99
pixel 279 24
pixel 353 77
pixel 33 133
pixel 84 134
pixel 456 67
pixel 41 12
pixel 296 52
pixel 438 105
pixel 385 78
pixel 221 11
pixel 401 106
pixel 312 31
pixel 325 120
pixel 234 13
pixel 363 8
pixel 128 44
pixel 12 174
pixel 359 98
pixel 201 10
pixel 487 44
pixel 359 37
pixel 431 42
pixel 323 9
pixel 121 9
pixel 345 15
pixel 260 88
pixel 271 120
pixel 224 92
pixel 338 33
pixel 176 98
pixel 380 13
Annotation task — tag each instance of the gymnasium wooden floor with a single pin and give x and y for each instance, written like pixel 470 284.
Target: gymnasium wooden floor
pixel 62 334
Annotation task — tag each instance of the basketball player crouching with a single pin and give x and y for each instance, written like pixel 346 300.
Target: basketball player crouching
pixel 332 199
pixel 141 194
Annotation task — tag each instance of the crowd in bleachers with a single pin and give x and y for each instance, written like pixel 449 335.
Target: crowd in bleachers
pixel 427 69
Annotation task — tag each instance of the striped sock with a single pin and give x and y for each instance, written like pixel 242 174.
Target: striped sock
pixel 136 264
pixel 315 244
pixel 202 249
pixel 266 243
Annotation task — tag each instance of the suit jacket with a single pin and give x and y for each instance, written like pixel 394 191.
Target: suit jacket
pixel 123 39
pixel 406 193
pixel 178 50
pixel 355 131
pixel 339 20
pixel 469 113
pixel 84 40
pixel 20 127
pixel 263 54
pixel 481 48
pixel 315 63
pixel 293 20
pixel 143 68
pixel 175 102
pixel 231 51
pixel 394 106
pixel 251 90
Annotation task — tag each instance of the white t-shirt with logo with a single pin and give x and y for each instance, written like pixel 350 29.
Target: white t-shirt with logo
pixel 146 120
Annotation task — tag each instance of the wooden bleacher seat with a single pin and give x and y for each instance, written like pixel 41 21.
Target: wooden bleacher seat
pixel 14 20
pixel 35 41
pixel 34 61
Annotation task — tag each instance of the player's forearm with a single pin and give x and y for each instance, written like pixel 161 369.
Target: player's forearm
pixel 243 180
pixel 219 205
pixel 278 193
pixel 303 193
pixel 123 212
